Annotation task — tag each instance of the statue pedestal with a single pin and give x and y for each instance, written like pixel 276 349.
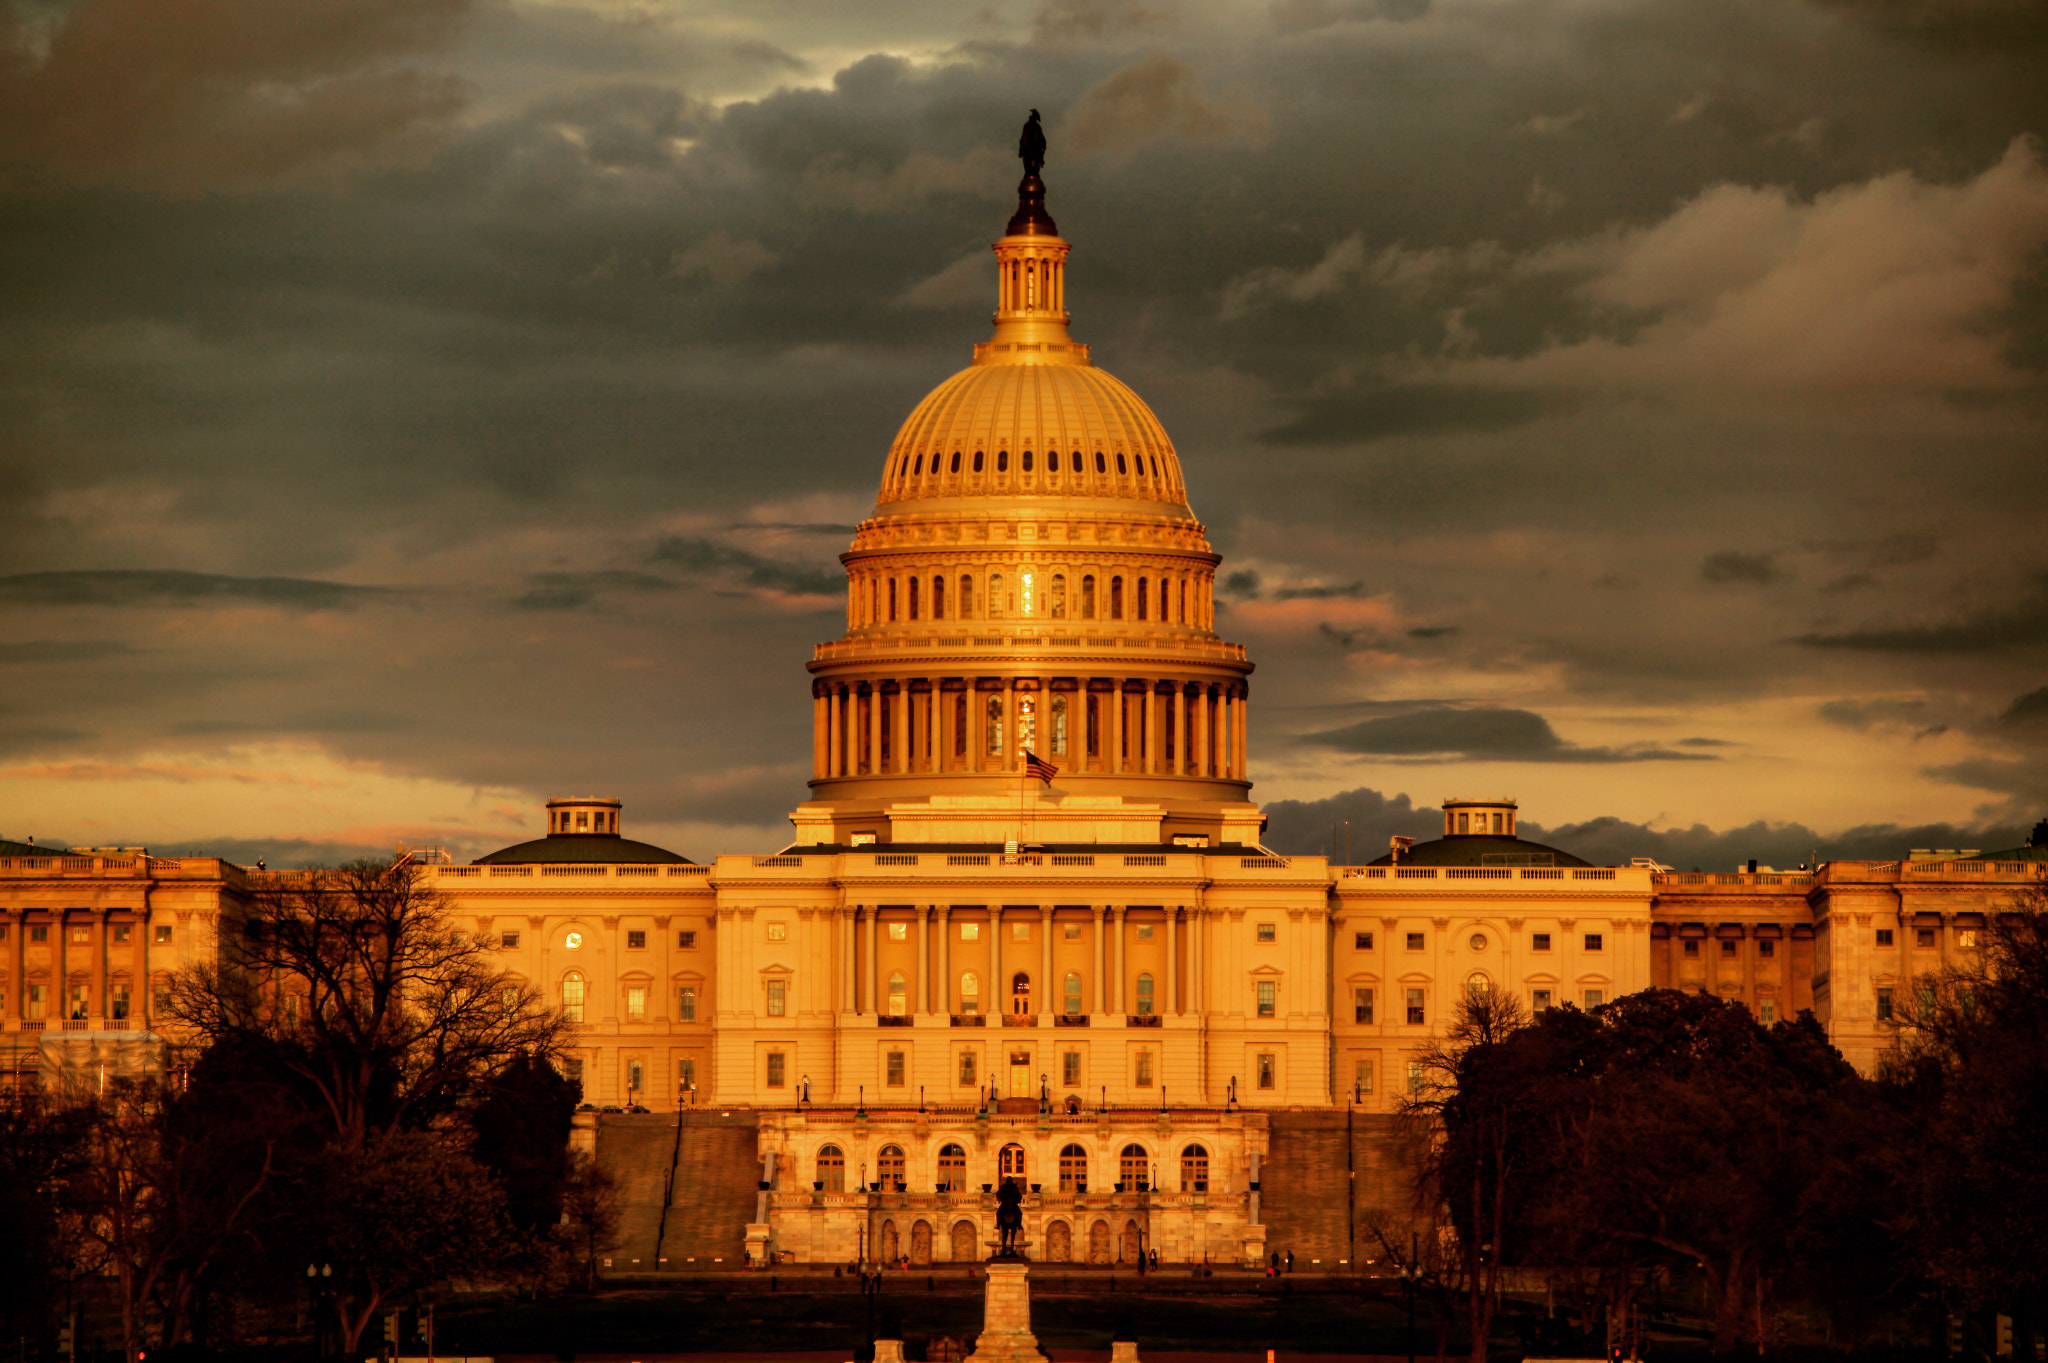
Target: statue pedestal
pixel 1006 1323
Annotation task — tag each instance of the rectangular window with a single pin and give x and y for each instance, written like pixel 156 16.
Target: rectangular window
pixel 776 1077
pixel 899 932
pixel 636 1076
pixel 636 1003
pixel 1966 937
pixel 1923 937
pixel 686 941
pixel 1767 1010
pixel 1020 932
pixel 120 932
pixel 163 932
pixel 572 1069
pixel 969 1075
pixel 1361 1005
pixel 40 932
pixel 1766 948
pixel 508 940
pixel 1540 942
pixel 1691 947
pixel 778 932
pixel 1415 1014
pixel 1593 942
pixel 1265 1069
pixel 1729 946
pixel 1884 1005
pixel 894 1069
pixel 1415 1076
pixel 778 998
pixel 1884 937
pixel 636 939
pixel 1269 932
pixel 36 998
pixel 686 1079
pixel 81 932
pixel 1539 999
pixel 1268 993
pixel 1070 1069
pixel 119 1003
pixel 1415 941
pixel 970 932
pixel 686 1004
pixel 1595 997
pixel 1072 931
pixel 1361 941
pixel 1144 1075
pixel 1144 932
pixel 1361 1078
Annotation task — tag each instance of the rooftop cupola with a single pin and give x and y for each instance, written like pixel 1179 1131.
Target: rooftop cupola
pixel 1473 818
pixel 1031 271
pixel 584 814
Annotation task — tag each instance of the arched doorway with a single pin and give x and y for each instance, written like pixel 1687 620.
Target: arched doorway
pixel 1020 993
pixel 1059 1243
pixel 1133 1244
pixel 1098 1243
pixel 921 1242
pixel 1010 1164
pixel 963 1242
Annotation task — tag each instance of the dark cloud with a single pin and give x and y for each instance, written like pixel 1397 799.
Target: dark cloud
pixel 1729 565
pixel 1303 827
pixel 330 724
pixel 2023 624
pixel 158 586
pixel 1869 714
pixel 1478 734
pixel 2029 709
pixel 1355 417
pixel 64 651
pixel 710 559
pixel 572 591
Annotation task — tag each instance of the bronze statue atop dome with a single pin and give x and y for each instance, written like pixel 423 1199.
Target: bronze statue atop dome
pixel 1031 219
pixel 1031 146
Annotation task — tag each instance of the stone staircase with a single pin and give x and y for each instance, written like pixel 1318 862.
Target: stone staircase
pixel 699 1222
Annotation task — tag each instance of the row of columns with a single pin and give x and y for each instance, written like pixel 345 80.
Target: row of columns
pixel 1111 727
pixel 100 969
pixel 861 991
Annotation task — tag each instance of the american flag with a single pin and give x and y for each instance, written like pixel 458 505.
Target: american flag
pixel 1034 765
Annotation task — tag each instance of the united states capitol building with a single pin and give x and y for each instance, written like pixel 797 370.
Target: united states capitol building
pixel 1103 985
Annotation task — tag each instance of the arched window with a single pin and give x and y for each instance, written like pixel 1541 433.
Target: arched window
pixel 1059 725
pixel 1072 1000
pixel 1010 1163
pixel 952 1169
pixel 1143 599
pixel 1477 986
pixel 1183 616
pixel 954 467
pixel 1120 466
pixel 1052 461
pixel 1020 993
pixel 913 599
pixel 1057 597
pixel 1073 1169
pixel 966 597
pixel 1027 461
pixel 977 461
pixel 918 470
pixel 1194 1170
pixel 938 598
pixel 831 1169
pixel 1132 1167
pixel 995 595
pixel 995 725
pixel 572 997
pixel 892 602
pixel 1100 467
pixel 970 993
pixel 1144 996
pixel 889 1167
pixel 1155 466
pixel 1116 598
pixel 897 992
pixel 1002 461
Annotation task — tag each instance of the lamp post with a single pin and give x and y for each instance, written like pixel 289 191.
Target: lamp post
pixel 317 1276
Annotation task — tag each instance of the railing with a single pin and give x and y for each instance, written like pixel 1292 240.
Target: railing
pixel 1533 873
pixel 574 870
pixel 1144 859
pixel 895 858
pixel 1415 873
pixel 636 870
pixel 1593 873
pixel 778 861
pixel 511 871
pixel 1020 1020
pixel 77 1025
pixel 689 870
pixel 1262 863
pixel 1073 858
pixel 966 858
pixel 443 872
pixel 1070 1019
pixel 1478 873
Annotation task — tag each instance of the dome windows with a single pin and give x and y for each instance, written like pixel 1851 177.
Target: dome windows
pixel 1100 466
pixel 1052 461
pixel 1002 461
pixel 917 470
pixel 1027 461
pixel 977 461
pixel 956 462
pixel 1120 467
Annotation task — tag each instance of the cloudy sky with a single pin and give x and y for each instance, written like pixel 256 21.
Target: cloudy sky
pixel 411 409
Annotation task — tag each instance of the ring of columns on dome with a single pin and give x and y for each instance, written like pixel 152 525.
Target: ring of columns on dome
pixel 1021 974
pixel 1106 726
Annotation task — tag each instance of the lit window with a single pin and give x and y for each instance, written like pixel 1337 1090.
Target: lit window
pixel 572 998
pixel 777 1077
pixel 1361 941
pixel 636 1002
pixel 1540 942
pixel 1144 1001
pixel 899 932
pixel 686 1004
pixel 1070 1069
pixel 1966 937
pixel 970 993
pixel 1071 931
pixel 1144 1076
pixel 572 941
pixel 1595 997
pixel 1415 1014
pixel 778 998
pixel 1020 932
pixel 1540 999
pixel 636 940
pixel 899 990
pixel 1361 1005
pixel 970 932
pixel 1767 1010
pixel 894 1069
pixel 1144 932
pixel 969 1076
pixel 161 935
pixel 1072 994
pixel 118 1007
pixel 686 1079
pixel 1415 941
pixel 636 1076
pixel 120 932
pixel 81 932
pixel 778 932
pixel 1592 941
pixel 1265 1069
pixel 1477 986
pixel 1361 1076
pixel 1269 932
pixel 1268 995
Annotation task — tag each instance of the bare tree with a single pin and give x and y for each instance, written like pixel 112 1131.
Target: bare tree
pixel 354 987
